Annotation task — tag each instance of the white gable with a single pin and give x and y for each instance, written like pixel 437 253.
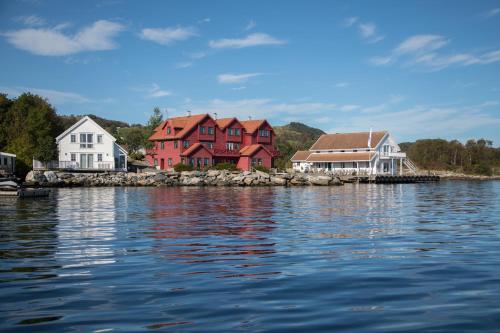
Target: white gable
pixel 86 124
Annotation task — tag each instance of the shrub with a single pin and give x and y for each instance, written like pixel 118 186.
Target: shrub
pixel 224 166
pixel 182 167
pixel 261 168
pixel 136 156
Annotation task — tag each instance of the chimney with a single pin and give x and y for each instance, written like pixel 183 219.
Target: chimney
pixel 215 115
pixel 189 113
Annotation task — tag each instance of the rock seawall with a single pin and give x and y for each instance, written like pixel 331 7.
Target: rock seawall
pixel 185 178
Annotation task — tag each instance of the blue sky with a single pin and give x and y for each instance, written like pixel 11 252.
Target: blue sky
pixel 421 69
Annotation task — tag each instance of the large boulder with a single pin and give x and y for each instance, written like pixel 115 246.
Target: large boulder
pixel 320 180
pixel 35 177
pixel 51 176
pixel 278 181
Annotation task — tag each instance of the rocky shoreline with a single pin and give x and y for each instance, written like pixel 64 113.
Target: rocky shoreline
pixel 461 176
pixel 171 178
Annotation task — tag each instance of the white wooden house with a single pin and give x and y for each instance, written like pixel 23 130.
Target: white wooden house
pixel 362 153
pixel 7 163
pixel 86 145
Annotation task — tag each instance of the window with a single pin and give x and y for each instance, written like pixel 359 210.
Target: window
pixel 175 144
pixel 230 131
pixel 205 162
pixel 342 165
pixel 209 145
pixel 162 145
pixel 73 157
pixel 254 161
pixel 191 161
pixel 236 131
pixel 211 130
pixel 185 144
pixel 169 130
pixel 156 162
pixel 86 140
pixel 202 129
pixel 232 146
pixel 99 138
pixel 73 138
pixel 169 161
pixel 99 157
pixel 259 161
pixel 198 162
pixel 264 132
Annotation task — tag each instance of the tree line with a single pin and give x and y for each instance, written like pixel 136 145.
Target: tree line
pixel 473 157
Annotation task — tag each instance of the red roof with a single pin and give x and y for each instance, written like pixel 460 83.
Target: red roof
pixel 252 125
pixel 252 149
pixel 186 124
pixel 194 148
pixel 224 122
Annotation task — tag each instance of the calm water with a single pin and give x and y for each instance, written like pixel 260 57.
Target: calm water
pixel 367 258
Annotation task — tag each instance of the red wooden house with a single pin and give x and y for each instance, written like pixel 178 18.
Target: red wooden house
pixel 201 141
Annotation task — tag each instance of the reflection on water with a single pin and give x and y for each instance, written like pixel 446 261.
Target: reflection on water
pixel 360 258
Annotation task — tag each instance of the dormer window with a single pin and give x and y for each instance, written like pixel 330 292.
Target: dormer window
pixel 237 131
pixel 230 131
pixel 202 129
pixel 169 130
pixel 263 132
pixel 211 130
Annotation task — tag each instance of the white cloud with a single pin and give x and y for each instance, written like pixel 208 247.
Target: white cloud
pixel 205 20
pixel 349 107
pixel 54 42
pixel 367 30
pixel 342 85
pixel 165 36
pixel 31 20
pixel 421 43
pixel 236 78
pixel 350 21
pixel 255 39
pixel 55 97
pixel 493 12
pixel 252 24
pixel 185 64
pixel 239 88
pixel 425 50
pixel 156 92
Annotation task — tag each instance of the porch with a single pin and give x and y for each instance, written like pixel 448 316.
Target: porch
pixel 75 166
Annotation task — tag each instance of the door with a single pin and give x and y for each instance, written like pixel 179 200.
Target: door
pixel 162 164
pixel 90 161
pixel 83 161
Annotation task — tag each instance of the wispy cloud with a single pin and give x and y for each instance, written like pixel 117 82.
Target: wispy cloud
pixel 152 91
pixel 252 24
pixel 424 50
pixel 255 39
pixel 55 42
pixel 493 12
pixel 184 64
pixel 31 20
pixel 367 30
pixel 205 20
pixel 55 97
pixel 239 88
pixel 236 78
pixel 342 85
pixel 166 36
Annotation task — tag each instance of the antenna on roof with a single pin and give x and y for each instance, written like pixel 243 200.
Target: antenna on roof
pixel 215 115
pixel 189 113
pixel 166 113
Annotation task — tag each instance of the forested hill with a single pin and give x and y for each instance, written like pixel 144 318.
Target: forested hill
pixel 108 125
pixel 474 157
pixel 293 137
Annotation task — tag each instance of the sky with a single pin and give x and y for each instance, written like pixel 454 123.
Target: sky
pixel 419 69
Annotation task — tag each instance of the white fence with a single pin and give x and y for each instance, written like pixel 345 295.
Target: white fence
pixel 70 165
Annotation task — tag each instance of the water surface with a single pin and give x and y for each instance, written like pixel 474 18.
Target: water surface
pixel 357 258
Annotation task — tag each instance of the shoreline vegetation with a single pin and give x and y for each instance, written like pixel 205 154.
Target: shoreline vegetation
pixel 29 125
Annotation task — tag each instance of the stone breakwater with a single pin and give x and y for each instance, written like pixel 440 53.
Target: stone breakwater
pixel 185 178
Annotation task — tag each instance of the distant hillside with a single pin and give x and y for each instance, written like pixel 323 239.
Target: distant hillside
pixel 293 137
pixel 108 125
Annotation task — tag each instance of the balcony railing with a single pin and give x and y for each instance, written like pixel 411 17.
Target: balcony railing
pixel 225 152
pixel 71 165
pixel 392 155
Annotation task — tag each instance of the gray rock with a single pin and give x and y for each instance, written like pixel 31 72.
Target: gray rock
pixel 213 173
pixel 35 177
pixel 320 180
pixel 278 181
pixel 51 176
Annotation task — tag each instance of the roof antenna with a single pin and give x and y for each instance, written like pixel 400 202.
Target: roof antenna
pixel 166 113
pixel 215 115
pixel 189 113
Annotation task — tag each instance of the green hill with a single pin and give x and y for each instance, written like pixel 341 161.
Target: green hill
pixel 293 137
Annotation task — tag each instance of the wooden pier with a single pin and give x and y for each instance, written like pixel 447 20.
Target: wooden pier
pixel 388 179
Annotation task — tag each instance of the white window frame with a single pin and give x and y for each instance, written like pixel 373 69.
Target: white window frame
pixel 72 138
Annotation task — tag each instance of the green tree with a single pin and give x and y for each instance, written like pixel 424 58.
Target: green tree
pixel 28 128
pixel 133 137
pixel 156 119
